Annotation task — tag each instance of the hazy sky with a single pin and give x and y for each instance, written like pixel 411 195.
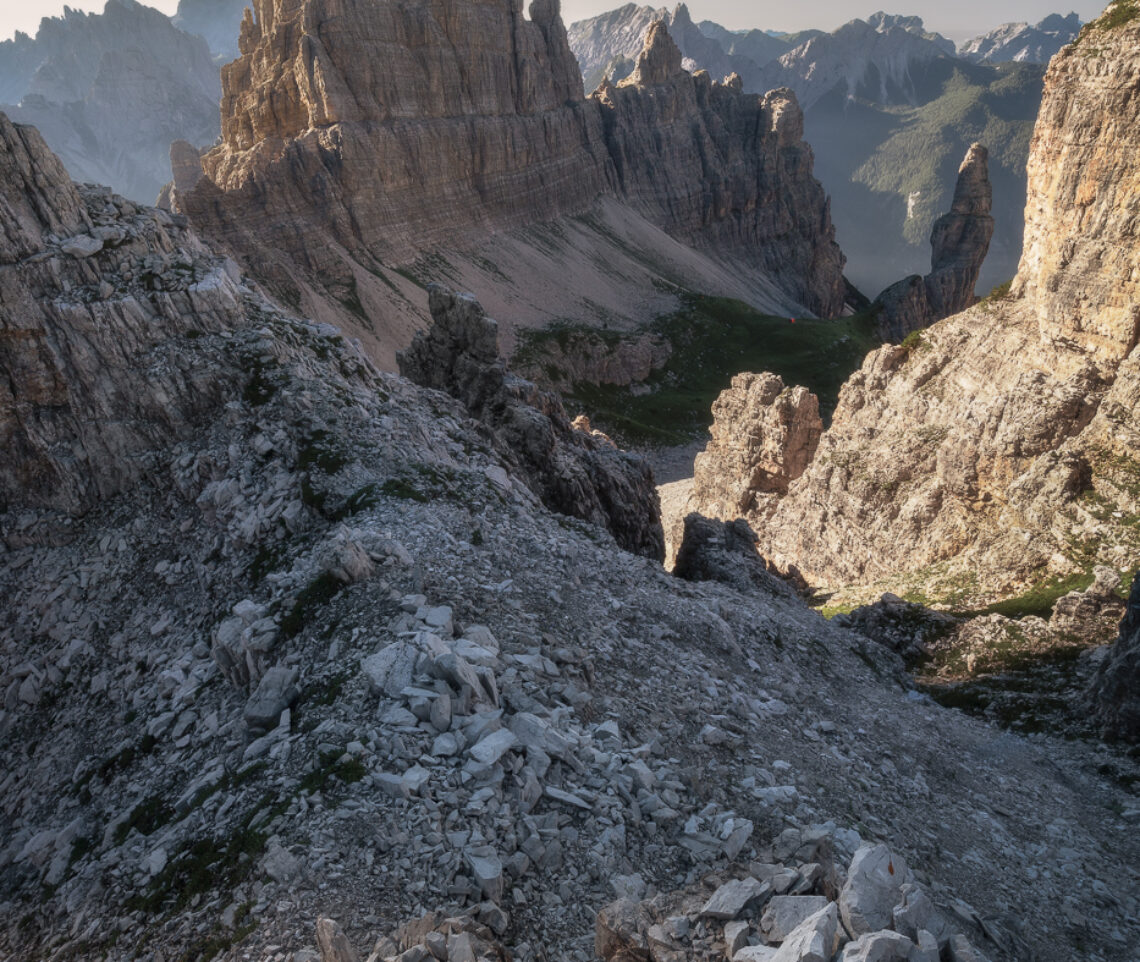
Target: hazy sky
pixel 959 20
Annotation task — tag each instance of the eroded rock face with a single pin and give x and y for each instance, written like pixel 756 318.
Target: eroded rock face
pixel 959 242
pixel 1115 690
pixel 764 435
pixel 97 297
pixel 480 117
pixel 572 471
pixel 723 170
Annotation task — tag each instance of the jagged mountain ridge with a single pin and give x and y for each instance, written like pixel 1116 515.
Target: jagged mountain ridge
pixel 326 654
pixel 618 36
pixel 1022 42
pixel 889 110
pixel 109 92
pixel 997 451
pixel 491 146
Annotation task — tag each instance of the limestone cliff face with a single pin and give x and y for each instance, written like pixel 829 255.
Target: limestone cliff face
pixel 1002 446
pixel 723 169
pixel 959 242
pixel 1077 271
pixel 360 133
pixel 97 297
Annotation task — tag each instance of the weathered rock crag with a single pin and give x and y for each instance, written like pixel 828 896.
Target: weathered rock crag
pixel 96 298
pixel 480 123
pixel 572 471
pixel 959 242
pixel 764 435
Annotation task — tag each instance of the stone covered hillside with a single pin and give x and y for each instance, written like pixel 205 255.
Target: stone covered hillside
pixel 288 638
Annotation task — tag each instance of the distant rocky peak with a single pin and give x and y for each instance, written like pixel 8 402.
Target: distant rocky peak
pixel 660 58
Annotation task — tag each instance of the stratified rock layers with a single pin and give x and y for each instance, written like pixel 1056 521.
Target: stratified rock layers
pixel 359 133
pixel 1002 446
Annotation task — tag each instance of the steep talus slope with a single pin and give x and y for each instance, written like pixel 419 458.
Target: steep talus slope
pixel 1001 447
pixel 110 91
pixel 329 655
pixel 483 133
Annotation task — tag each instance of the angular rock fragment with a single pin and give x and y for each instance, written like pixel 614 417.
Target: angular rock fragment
pixel 873 889
pixel 728 901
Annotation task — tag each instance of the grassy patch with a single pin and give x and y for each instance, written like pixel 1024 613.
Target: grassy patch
pixel 360 500
pixel 146 817
pixel 259 388
pixel 267 559
pixel 1038 600
pixel 349 771
pixel 200 867
pixel 320 451
pixel 318 593
pixel 914 341
pixel 401 488
pixel 208 947
pixel 127 757
pixel 714 338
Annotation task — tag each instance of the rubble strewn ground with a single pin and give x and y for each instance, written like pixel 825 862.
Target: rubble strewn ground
pixel 474 705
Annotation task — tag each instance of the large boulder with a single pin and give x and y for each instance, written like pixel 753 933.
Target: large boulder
pixel 873 889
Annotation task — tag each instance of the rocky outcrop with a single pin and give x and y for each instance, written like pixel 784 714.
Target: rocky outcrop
pixel 764 435
pixel 1115 690
pixel 763 199
pixel 724 551
pixel 959 243
pixel 998 449
pixel 572 471
pixel 1022 42
pixel 906 627
pixel 110 91
pixel 484 128
pixel 97 299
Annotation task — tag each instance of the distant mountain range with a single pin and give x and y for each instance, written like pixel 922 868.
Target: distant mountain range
pixel 1022 42
pixel 110 91
pixel 890 110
